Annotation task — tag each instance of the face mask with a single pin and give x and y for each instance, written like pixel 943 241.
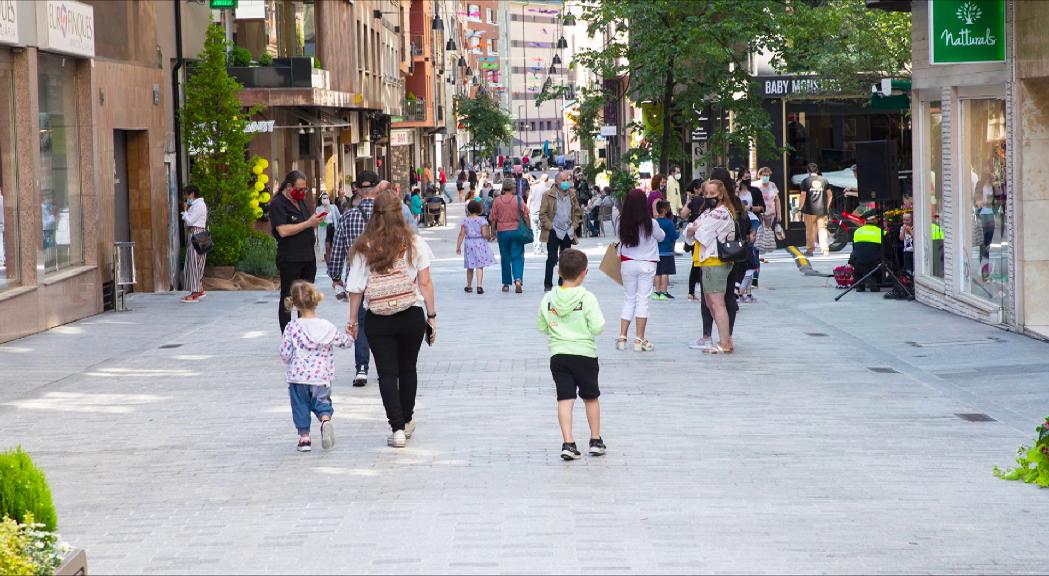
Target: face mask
pixel 764 179
pixel 298 193
pixel 326 202
pixel 565 186
pixel 711 202
pixel 677 176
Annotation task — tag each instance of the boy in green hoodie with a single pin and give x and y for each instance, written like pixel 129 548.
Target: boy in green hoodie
pixel 570 317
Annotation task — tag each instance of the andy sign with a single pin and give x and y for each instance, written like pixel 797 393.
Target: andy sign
pixel 966 31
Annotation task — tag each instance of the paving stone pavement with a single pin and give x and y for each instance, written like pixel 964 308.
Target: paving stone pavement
pixel 166 436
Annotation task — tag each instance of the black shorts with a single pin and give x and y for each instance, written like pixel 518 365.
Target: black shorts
pixel 667 266
pixel 573 372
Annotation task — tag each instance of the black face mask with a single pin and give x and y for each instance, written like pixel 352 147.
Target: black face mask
pixel 710 203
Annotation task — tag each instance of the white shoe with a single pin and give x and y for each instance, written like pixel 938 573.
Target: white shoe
pixel 701 344
pixel 397 439
pixel 409 429
pixel 327 435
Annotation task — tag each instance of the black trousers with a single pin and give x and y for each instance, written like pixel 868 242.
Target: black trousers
pixel 289 273
pixel 730 304
pixel 554 245
pixel 694 277
pixel 395 341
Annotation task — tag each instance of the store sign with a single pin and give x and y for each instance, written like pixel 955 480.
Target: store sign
pixel 70 28
pixel 400 137
pixel 256 126
pixel 250 10
pixel 8 22
pixel 782 86
pixel 966 31
pixel 608 130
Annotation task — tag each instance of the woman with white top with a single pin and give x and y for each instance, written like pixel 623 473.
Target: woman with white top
pixel 639 237
pixel 770 192
pixel 195 216
pixel 717 223
pixel 330 223
pixel 389 252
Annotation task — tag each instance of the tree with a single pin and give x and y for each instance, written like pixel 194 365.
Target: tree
pixel 682 56
pixel 844 43
pixel 487 124
pixel 213 121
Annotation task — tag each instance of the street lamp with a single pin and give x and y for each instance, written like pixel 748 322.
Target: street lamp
pixel 438 24
pixel 562 43
pixel 553 69
pixel 568 20
pixel 557 58
pixel 462 62
pixel 450 46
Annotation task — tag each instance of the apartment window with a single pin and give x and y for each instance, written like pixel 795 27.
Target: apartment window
pixel 493 48
pixel 490 15
pixel 474 12
pixel 62 243
pixel 531 126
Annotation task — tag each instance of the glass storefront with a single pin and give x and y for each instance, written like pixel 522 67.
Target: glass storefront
pixel 62 239
pixel 933 184
pixel 9 276
pixel 983 238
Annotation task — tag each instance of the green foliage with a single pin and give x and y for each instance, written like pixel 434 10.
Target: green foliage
pixel 487 124
pixel 27 550
pixel 259 256
pixel 24 492
pixel 240 56
pixel 1032 462
pixel 213 122
pixel 317 62
pixel 265 59
pixel 229 245
pixel 845 43
pixel 622 181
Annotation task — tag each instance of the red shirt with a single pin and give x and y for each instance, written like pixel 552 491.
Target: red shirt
pixel 504 215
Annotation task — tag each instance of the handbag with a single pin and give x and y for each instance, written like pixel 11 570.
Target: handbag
pixel 733 250
pixel 202 242
pixel 780 234
pixel 524 230
pixel 611 264
pixel 765 239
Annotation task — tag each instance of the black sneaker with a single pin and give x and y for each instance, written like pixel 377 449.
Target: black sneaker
pixel 361 379
pixel 570 452
pixel 304 445
pixel 668 295
pixel 597 447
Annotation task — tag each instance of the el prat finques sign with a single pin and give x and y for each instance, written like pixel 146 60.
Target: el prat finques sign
pixel 966 31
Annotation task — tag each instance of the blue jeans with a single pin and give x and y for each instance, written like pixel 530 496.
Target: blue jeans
pixel 360 347
pixel 511 256
pixel 305 399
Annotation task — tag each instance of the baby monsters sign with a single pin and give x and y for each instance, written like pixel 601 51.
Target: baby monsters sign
pixel 966 31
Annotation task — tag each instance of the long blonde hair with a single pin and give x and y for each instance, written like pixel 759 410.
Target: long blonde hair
pixel 387 236
pixel 723 197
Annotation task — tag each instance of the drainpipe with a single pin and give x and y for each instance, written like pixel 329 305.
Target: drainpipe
pixel 175 93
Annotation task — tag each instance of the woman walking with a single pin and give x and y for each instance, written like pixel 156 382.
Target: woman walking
pixel 390 271
pixel 717 223
pixel 639 237
pixel 294 228
pixel 330 222
pixel 506 214
pixel 196 218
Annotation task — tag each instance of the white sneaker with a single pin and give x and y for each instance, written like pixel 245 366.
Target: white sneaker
pixel 701 344
pixel 327 435
pixel 409 429
pixel 397 439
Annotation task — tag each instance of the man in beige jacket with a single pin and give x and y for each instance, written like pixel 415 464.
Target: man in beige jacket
pixel 559 216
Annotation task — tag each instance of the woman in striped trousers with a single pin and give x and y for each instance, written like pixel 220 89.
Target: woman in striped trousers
pixel 196 218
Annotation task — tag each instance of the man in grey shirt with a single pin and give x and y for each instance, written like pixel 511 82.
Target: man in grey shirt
pixel 559 216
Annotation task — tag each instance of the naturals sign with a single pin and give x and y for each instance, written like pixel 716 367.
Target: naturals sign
pixel 70 28
pixel 966 31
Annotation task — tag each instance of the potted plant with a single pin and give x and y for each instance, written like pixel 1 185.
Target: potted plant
pixel 1032 462
pixel 265 59
pixel 28 541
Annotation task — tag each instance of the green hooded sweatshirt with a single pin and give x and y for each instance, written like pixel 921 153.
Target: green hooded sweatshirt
pixel 571 318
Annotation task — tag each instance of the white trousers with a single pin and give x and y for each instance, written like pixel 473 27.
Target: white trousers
pixel 637 282
pixel 537 246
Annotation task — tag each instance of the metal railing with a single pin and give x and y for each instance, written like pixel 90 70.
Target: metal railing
pixel 414 110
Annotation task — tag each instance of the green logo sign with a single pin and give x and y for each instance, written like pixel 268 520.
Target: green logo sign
pixel 963 31
pixel 223 4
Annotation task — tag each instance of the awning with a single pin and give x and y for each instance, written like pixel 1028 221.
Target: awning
pixel 899 99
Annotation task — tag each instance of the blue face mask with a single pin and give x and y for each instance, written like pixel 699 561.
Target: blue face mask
pixel 565 185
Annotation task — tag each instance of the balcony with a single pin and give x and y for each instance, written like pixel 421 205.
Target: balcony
pixel 418 44
pixel 414 110
pixel 283 73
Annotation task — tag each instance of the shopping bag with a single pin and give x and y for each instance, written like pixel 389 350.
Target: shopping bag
pixel 611 265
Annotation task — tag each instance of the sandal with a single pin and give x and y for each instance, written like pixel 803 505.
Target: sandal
pixel 468 290
pixel 643 345
pixel 480 290
pixel 717 349
pixel 506 287
pixel 692 298
pixel 621 343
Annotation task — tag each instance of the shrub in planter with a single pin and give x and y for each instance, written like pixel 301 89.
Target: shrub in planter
pixel 265 59
pixel 259 257
pixel 1032 462
pixel 27 549
pixel 229 246
pixel 24 493
pixel 240 56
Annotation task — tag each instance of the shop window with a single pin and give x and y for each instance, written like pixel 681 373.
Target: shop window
pixel 932 194
pixel 984 240
pixel 62 241
pixel 8 177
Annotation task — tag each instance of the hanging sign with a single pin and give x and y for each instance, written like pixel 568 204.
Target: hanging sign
pixel 966 31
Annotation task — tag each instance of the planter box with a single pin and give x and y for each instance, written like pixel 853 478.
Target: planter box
pixel 282 73
pixel 74 564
